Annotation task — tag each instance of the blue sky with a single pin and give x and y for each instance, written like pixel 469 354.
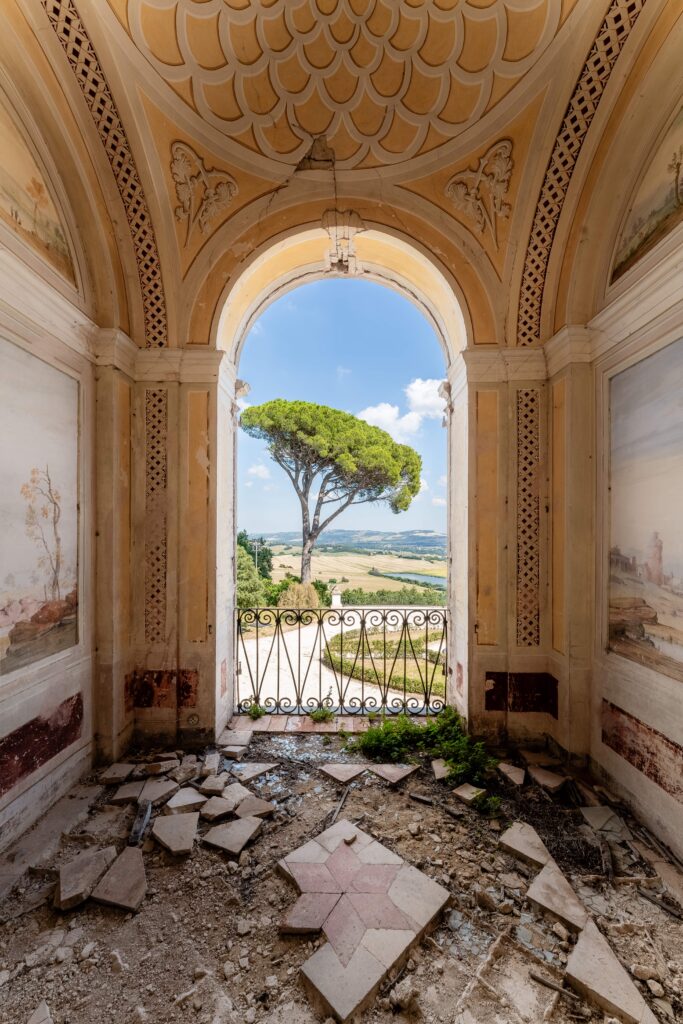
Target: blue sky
pixel 356 346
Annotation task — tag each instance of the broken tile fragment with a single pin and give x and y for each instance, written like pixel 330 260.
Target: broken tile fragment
pixel 440 769
pixel 523 841
pixel 79 876
pixel 248 770
pixel 233 752
pixel 512 773
pixel 185 773
pixel 214 785
pixel 343 772
pixel 236 793
pixel 184 801
pixel 338 989
pixel 235 738
pixel 233 836
pixel 603 819
pixel 125 884
pixel 41 1015
pixel 539 758
pixel 161 767
pixel 254 806
pixel 309 913
pixel 158 791
pixel 176 832
pixel 595 972
pixel 211 764
pixel 392 773
pixel 551 893
pixel 548 780
pixel 127 794
pixel 468 794
pixel 216 808
pixel 116 774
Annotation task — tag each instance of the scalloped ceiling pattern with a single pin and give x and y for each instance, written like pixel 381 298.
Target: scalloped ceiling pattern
pixel 383 81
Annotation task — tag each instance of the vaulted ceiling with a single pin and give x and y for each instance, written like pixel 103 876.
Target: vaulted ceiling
pixel 470 127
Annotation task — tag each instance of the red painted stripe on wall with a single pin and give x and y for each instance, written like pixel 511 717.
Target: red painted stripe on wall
pixel 32 744
pixel 648 750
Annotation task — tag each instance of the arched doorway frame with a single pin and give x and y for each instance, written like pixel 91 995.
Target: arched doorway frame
pixel 345 246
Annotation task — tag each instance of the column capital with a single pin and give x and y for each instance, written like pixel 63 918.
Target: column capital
pixel 494 365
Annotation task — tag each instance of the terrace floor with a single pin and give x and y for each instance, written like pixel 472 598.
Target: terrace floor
pixel 214 940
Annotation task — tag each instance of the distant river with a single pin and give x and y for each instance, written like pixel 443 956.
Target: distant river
pixel 416 577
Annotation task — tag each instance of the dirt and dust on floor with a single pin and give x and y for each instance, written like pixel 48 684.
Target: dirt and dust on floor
pixel 558 905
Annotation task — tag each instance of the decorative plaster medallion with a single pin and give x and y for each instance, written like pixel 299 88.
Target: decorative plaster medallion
pixel 383 80
pixel 202 191
pixel 480 192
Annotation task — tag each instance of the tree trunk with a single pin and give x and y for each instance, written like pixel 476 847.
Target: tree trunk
pixel 306 552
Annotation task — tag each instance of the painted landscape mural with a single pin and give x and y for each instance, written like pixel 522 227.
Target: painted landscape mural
pixel 646 547
pixel 26 206
pixel 658 203
pixel 38 509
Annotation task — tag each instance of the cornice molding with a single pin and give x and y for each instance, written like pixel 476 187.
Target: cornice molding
pixel 184 366
pixel 42 309
pixel 572 344
pixel 111 347
pixel 501 365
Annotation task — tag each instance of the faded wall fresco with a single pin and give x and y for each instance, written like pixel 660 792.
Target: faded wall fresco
pixel 646 545
pixel 26 205
pixel 657 206
pixel 645 748
pixel 38 509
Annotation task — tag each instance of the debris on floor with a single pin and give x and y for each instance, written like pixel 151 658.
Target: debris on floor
pixel 142 897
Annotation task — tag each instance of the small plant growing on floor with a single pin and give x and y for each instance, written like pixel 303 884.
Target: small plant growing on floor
pixel 321 714
pixel 327 739
pixel 400 738
pixel 255 711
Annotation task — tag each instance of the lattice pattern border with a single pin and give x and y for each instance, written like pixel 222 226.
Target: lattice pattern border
pixel 609 42
pixel 70 31
pixel 156 497
pixel 528 517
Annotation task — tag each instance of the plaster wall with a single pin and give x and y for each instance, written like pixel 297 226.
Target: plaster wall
pixel 47 707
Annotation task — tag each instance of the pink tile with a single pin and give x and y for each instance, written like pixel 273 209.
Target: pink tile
pixel 392 773
pixel 343 772
pixel 344 929
pixel 309 913
pixel 299 723
pixel 313 877
pixel 377 911
pixel 375 878
pixel 344 865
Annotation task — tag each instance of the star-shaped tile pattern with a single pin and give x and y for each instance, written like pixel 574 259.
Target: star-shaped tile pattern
pixel 370 905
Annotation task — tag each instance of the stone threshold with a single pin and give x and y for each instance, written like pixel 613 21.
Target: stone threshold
pixel 303 723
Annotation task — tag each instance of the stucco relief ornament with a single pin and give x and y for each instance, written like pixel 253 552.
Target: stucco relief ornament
pixel 202 191
pixel 480 191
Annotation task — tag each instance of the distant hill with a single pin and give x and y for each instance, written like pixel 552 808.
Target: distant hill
pixel 425 541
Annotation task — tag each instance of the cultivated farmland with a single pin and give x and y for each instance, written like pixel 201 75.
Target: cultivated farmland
pixel 356 568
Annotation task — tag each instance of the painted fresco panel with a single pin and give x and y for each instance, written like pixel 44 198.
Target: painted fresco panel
pixel 26 205
pixel 658 204
pixel 646 543
pixel 38 509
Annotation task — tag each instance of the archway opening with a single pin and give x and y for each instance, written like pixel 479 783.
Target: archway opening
pixel 345 651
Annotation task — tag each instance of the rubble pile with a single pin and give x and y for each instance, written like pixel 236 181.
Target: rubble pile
pixel 163 890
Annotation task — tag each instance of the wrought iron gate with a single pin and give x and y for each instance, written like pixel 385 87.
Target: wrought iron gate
pixel 350 660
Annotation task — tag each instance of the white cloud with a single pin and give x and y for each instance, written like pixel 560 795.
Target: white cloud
pixel 342 371
pixel 439 502
pixel 443 480
pixel 249 483
pixel 424 486
pixel 242 403
pixel 260 471
pixel 386 416
pixel 424 399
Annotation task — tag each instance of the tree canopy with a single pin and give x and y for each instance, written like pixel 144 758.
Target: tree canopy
pixel 259 551
pixel 248 582
pixel 333 460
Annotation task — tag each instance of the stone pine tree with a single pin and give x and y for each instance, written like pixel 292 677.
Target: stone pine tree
pixel 333 461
